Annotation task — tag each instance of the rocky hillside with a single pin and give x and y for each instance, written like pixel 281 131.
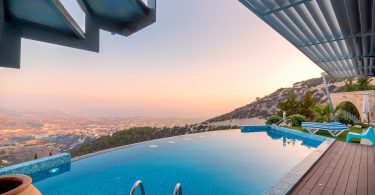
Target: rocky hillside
pixel 266 106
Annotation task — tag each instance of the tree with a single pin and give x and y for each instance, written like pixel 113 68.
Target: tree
pixel 306 105
pixel 362 84
pixel 322 113
pixel 290 105
pixel 349 85
pixel 294 106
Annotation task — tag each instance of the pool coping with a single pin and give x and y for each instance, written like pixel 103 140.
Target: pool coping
pixel 287 183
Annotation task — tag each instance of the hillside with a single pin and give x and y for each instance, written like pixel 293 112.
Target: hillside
pixel 266 106
pixel 261 108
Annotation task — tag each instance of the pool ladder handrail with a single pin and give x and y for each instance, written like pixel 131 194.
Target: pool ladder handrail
pixel 135 186
pixel 177 189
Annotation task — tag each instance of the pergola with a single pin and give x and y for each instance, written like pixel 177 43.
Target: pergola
pixel 338 35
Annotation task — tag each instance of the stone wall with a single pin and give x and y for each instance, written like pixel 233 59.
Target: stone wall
pixel 356 98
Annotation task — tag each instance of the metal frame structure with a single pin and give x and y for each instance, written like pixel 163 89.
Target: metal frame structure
pixel 49 21
pixel 338 35
pixel 332 133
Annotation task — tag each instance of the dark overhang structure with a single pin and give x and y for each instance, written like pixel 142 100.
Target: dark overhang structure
pixel 49 21
pixel 338 35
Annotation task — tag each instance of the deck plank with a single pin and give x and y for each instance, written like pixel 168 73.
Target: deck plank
pixel 362 176
pixel 332 182
pixel 371 171
pixel 319 172
pixel 343 180
pixel 346 168
pixel 323 180
pixel 351 187
pixel 303 181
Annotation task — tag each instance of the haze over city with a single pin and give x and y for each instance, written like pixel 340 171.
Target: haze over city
pixel 200 59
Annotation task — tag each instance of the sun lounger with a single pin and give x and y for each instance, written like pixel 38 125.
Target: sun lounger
pixel 334 128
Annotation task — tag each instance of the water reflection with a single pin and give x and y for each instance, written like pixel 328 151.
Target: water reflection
pixel 287 138
pixel 38 176
pixel 290 139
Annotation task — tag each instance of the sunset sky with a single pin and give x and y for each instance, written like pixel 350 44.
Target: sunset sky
pixel 200 59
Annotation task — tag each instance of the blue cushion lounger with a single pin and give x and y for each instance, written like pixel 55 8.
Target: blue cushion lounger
pixel 334 128
pixel 369 135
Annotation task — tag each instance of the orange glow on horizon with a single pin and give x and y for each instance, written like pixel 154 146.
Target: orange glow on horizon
pixel 186 65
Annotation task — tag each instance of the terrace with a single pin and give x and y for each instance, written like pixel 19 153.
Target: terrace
pixel 345 168
pixel 337 35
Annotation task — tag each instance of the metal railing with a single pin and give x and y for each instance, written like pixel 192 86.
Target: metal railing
pixel 135 186
pixel 138 183
pixel 177 189
pixel 285 121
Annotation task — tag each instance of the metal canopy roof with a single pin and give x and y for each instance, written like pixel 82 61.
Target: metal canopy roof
pixel 338 35
pixel 49 21
pixel 54 15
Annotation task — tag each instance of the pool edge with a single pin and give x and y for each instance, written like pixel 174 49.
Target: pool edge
pixel 288 182
pixel 284 185
pixel 135 144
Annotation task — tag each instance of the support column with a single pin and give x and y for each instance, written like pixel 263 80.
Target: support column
pixel 329 97
pixel 10 42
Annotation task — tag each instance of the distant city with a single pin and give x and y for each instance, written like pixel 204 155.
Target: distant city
pixel 26 135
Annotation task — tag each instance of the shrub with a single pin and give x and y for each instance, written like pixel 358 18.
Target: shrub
pixel 297 119
pixel 344 119
pixel 362 84
pixel 322 113
pixel 363 125
pixel 273 119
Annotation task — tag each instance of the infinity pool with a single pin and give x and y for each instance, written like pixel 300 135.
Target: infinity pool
pixel 220 162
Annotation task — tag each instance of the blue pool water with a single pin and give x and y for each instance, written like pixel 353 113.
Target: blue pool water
pixel 220 162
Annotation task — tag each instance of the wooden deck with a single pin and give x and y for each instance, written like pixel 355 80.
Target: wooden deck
pixel 345 168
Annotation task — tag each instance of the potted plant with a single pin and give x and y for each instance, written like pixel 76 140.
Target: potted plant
pixel 17 185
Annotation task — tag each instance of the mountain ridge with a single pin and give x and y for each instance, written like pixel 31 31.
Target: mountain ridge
pixel 266 106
